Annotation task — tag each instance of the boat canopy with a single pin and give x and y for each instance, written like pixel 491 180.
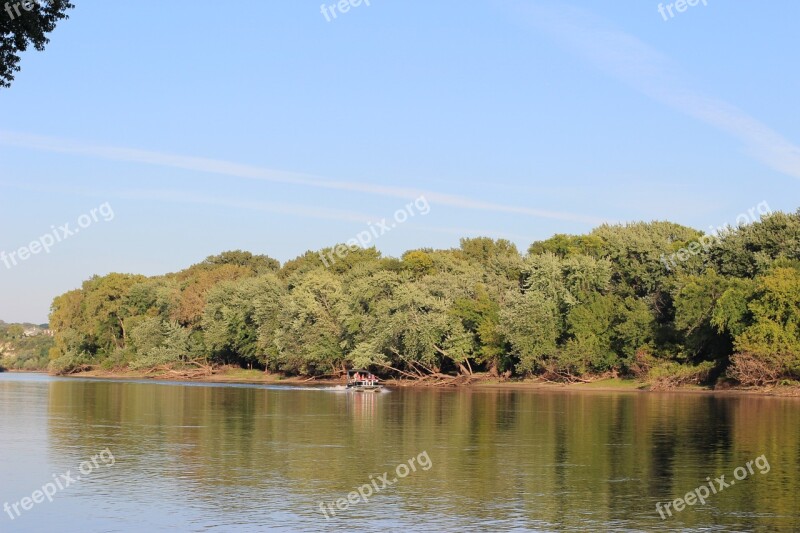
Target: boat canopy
pixel 363 375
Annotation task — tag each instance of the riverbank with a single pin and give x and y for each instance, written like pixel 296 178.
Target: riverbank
pixel 244 376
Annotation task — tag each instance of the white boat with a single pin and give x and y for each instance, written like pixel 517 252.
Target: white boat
pixel 362 381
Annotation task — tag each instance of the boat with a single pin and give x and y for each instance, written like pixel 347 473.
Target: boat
pixel 362 381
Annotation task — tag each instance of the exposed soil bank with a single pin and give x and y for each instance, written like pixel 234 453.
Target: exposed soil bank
pixel 227 375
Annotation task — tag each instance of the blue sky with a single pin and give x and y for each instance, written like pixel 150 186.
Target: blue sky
pixel 209 126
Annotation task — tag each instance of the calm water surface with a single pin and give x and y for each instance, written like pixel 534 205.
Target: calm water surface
pixel 258 458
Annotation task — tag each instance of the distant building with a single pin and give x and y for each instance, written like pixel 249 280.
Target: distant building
pixel 36 331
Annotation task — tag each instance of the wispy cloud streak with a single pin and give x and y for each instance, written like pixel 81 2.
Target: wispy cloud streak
pixel 650 72
pixel 184 197
pixel 228 168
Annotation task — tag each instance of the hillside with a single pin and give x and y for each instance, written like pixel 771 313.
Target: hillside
pixel 24 346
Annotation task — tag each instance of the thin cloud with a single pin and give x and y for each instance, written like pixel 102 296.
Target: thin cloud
pixel 228 168
pixel 650 72
pixel 181 196
pixel 271 207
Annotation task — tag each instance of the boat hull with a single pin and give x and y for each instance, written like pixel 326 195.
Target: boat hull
pixel 365 388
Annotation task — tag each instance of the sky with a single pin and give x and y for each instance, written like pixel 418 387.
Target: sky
pixel 168 131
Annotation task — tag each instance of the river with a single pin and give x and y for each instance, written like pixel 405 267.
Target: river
pixel 123 456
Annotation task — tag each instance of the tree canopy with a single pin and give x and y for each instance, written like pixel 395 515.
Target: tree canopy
pixel 21 28
pixel 571 307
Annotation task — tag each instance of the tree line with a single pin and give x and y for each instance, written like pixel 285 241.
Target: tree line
pixel 572 307
pixel 19 351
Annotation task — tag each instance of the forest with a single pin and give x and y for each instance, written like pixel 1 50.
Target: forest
pixel 571 308
pixel 19 351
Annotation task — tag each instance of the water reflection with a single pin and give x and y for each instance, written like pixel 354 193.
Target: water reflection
pixel 247 458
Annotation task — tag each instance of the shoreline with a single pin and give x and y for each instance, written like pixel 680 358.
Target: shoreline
pixel 257 377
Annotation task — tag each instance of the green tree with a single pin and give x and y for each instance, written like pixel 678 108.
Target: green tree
pixel 310 335
pixel 234 312
pixel 564 246
pixel 69 323
pixel 696 300
pixel 750 250
pixel 20 28
pixel 775 330
pixel 419 262
pixel 104 305
pixel 415 330
pixel 589 336
pixel 258 264
pixel 158 342
pixel 532 324
pixel 634 329
pixel 195 282
pixel 480 316
pixel 499 257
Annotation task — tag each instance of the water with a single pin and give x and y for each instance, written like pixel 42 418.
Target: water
pixel 256 458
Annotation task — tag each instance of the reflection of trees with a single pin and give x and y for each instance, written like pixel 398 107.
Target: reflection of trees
pixel 517 458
